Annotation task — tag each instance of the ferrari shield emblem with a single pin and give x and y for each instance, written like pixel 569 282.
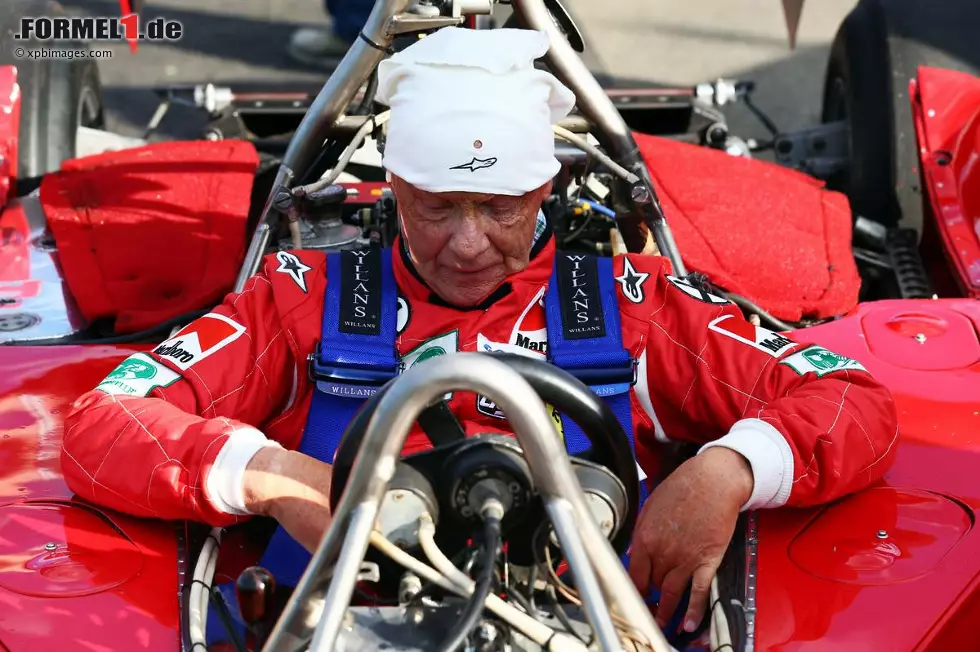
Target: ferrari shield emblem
pixel 820 361
pixel 137 375
pixel 435 347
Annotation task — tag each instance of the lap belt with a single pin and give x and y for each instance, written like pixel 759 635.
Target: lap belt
pixel 357 355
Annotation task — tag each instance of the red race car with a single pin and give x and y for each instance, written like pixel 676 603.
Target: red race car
pixel 111 244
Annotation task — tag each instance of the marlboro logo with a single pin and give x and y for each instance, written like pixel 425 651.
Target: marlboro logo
pixel 755 336
pixel 200 339
pixel 530 332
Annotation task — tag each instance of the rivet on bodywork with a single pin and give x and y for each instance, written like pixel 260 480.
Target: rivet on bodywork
pixel 882 534
pixel 920 338
pixel 50 545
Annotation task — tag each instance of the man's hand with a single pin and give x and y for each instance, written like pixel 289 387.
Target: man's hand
pixel 684 528
pixel 292 488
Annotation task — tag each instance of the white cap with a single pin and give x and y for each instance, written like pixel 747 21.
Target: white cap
pixel 470 112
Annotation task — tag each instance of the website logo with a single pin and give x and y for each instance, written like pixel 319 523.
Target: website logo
pixel 92 28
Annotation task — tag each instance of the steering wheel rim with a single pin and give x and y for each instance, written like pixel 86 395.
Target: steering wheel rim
pixel 610 447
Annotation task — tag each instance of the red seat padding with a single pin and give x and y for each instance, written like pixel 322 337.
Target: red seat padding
pixel 147 234
pixel 766 232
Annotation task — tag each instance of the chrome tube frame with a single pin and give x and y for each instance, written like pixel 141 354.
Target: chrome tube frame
pixel 338 91
pixel 562 516
pixel 552 475
pixel 341 87
pixel 612 131
pixel 386 20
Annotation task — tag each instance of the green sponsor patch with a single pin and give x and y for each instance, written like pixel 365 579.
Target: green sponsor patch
pixel 137 375
pixel 820 361
pixel 432 348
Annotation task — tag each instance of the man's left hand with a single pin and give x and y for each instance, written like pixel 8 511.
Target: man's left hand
pixel 684 528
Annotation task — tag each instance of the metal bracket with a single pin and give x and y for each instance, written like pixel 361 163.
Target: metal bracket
pixel 822 150
pixel 407 23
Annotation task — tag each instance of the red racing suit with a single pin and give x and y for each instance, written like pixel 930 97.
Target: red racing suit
pixel 168 434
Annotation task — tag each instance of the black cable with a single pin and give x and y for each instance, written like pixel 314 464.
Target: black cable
pixel 364 107
pixel 563 617
pixel 538 540
pixel 470 552
pixel 532 580
pixel 474 607
pixel 763 118
pixel 519 598
pixel 224 615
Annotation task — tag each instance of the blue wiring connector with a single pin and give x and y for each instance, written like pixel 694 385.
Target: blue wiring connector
pixel 598 208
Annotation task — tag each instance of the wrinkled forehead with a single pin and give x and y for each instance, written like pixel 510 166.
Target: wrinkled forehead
pixel 460 197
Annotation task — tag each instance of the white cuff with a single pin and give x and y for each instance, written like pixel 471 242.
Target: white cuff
pixel 226 480
pixel 770 457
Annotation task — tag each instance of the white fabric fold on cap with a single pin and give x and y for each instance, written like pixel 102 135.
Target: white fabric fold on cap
pixel 470 112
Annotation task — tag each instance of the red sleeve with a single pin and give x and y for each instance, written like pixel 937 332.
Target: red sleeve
pixel 143 441
pixel 814 425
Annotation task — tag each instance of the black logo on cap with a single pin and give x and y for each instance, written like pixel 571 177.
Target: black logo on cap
pixel 475 164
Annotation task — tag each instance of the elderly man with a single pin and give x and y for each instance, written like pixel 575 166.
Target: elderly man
pixel 221 421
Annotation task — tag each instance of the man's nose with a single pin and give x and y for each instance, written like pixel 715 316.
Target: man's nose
pixel 469 238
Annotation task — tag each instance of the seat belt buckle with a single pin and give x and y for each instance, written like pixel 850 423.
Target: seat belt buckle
pixel 609 380
pixel 348 380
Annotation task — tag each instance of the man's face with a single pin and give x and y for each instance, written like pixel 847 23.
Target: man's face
pixel 465 244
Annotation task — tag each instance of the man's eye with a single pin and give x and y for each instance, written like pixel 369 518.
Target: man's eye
pixel 503 206
pixel 435 206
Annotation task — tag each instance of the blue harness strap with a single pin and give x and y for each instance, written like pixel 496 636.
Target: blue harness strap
pixel 585 339
pixel 359 328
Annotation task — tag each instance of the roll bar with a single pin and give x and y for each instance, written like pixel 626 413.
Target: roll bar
pixel 391 18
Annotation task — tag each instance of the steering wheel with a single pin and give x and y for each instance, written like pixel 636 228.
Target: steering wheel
pixel 610 455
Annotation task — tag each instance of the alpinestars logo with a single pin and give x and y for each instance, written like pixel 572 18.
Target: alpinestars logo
pixel 476 164
pixel 632 282
pixel 755 336
pixel 199 339
pixel 294 267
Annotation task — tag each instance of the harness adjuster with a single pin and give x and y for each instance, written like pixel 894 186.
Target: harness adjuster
pixel 348 374
pixel 619 374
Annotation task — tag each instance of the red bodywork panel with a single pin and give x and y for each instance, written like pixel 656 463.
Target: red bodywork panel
pixel 946 110
pixel 826 579
pixel 9 129
pixel 72 575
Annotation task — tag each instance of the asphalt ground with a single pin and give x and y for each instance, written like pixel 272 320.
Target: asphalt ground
pixel 661 41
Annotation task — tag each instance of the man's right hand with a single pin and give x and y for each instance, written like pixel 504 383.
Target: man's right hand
pixel 292 488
